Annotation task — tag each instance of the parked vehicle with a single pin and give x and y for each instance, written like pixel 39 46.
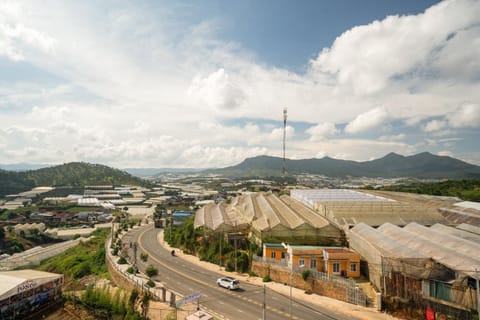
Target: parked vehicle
pixel 228 283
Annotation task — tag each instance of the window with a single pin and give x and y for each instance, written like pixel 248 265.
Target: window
pixel 301 262
pixel 353 267
pixel 313 263
pixel 273 254
pixel 336 267
pixel 283 255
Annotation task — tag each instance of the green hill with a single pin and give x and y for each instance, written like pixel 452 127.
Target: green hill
pixel 423 166
pixel 69 174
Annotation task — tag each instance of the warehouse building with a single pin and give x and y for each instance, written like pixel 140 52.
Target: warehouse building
pixel 24 293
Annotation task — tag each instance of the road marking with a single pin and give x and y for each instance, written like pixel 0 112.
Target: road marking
pixel 197 280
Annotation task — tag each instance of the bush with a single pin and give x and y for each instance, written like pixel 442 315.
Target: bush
pixel 130 270
pixel 121 260
pixel 151 271
pixel 144 257
pixel 252 274
pixel 305 274
pixel 150 283
pixel 267 279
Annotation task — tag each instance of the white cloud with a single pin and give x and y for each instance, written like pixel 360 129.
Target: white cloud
pixel 466 116
pixel 321 131
pixel 367 121
pixel 16 36
pixel 139 86
pixel 435 125
pixel 398 45
pixel 397 137
pixel 217 90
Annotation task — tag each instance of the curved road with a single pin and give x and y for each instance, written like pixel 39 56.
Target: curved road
pixel 247 303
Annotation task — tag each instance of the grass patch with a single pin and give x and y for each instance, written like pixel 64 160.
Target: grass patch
pixel 87 258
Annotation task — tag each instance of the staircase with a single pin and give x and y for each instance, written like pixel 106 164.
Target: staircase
pixel 367 288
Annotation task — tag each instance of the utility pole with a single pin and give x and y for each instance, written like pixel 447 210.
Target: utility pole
pixel 264 306
pixel 235 241
pixel 135 257
pixel 477 273
pixel 284 136
pixel 220 257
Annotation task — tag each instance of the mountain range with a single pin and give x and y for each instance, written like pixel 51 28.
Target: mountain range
pixel 423 166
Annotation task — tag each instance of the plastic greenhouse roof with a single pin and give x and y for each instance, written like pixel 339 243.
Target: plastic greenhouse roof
pixel 446 256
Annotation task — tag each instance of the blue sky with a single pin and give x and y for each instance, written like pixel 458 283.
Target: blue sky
pixel 197 84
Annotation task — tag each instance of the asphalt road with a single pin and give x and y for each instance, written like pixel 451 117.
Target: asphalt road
pixel 247 303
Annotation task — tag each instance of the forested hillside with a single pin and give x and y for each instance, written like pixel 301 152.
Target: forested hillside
pixel 70 174
pixel 468 190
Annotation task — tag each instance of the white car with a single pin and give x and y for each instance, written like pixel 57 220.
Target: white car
pixel 228 282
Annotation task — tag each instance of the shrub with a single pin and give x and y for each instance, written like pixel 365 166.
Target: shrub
pixel 121 260
pixel 144 257
pixel 305 274
pixel 130 270
pixel 267 279
pixel 151 271
pixel 150 283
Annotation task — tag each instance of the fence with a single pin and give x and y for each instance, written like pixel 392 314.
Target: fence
pixel 353 294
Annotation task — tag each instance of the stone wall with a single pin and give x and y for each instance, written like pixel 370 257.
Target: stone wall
pixel 118 277
pixel 321 287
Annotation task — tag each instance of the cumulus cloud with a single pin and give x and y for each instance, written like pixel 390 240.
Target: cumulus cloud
pixel 131 73
pixel 321 131
pixel 16 36
pixel 398 45
pixel 217 90
pixel 435 125
pixel 466 116
pixel 367 121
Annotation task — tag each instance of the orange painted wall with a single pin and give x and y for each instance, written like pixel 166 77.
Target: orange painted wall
pixel 307 261
pixel 344 265
pixel 278 253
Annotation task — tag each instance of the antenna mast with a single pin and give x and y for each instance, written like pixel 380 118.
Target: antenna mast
pixel 284 134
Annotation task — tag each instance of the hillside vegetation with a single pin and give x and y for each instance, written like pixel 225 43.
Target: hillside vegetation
pixel 87 258
pixel 70 174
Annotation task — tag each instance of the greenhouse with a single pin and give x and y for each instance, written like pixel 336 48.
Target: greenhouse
pixel 270 218
pixel 417 262
pixel 347 208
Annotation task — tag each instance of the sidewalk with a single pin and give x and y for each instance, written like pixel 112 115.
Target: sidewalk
pixel 298 294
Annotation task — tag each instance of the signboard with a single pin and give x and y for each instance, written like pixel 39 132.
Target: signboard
pixel 27 285
pixel 189 298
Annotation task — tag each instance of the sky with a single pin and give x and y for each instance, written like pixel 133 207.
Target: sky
pixel 202 84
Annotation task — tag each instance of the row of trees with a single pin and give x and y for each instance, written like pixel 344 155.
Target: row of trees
pixel 210 246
